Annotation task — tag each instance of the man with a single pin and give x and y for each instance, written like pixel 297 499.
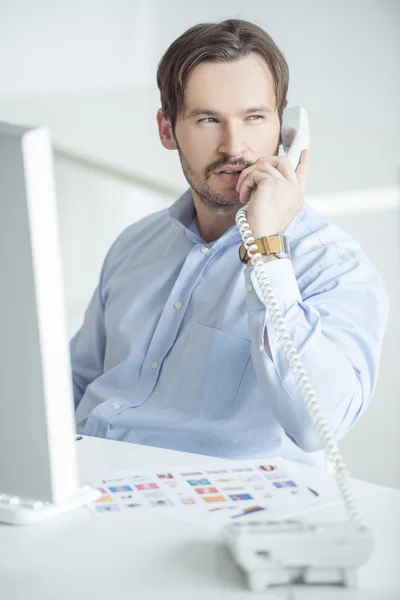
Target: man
pixel 177 349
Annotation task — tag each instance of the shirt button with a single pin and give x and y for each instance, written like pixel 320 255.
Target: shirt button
pixel 178 304
pixel 154 365
pixel 249 287
pixel 204 250
pixel 116 405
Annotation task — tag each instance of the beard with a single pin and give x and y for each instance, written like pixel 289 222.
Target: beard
pixel 200 183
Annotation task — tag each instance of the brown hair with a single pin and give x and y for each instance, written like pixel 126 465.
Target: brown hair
pixel 229 40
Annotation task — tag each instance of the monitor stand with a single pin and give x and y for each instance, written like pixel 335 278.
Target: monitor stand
pixel 23 511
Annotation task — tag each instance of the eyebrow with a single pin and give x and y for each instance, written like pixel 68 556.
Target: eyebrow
pixel 196 112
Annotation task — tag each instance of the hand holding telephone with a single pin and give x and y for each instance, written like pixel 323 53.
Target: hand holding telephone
pixel 350 544
pixel 274 187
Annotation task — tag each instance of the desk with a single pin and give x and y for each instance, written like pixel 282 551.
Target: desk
pixel 80 557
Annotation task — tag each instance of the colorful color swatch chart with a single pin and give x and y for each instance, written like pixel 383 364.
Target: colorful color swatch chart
pixel 232 491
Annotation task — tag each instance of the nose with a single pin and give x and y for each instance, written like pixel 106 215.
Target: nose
pixel 232 140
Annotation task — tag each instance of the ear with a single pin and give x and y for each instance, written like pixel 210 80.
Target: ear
pixel 165 131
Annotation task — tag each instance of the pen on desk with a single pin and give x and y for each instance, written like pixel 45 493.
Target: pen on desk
pixel 78 437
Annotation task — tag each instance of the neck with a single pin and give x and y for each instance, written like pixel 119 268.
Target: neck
pixel 212 224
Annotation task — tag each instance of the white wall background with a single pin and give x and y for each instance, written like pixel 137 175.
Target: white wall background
pixel 87 70
pixel 66 64
pixel 56 47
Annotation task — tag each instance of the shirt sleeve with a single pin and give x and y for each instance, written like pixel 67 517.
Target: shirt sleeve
pixel 87 348
pixel 337 325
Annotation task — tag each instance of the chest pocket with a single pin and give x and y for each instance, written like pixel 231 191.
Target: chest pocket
pixel 209 373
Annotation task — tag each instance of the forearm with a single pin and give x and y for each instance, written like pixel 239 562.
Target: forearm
pixel 340 352
pixel 264 258
pixel 337 389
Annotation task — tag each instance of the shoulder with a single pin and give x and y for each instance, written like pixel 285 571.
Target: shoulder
pixel 131 242
pixel 324 256
pixel 314 233
pixel 141 230
pixel 317 243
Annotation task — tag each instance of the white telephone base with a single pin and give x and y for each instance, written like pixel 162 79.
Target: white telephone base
pixel 18 511
pixel 285 552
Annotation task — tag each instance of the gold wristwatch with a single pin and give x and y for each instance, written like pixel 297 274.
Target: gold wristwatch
pixel 274 244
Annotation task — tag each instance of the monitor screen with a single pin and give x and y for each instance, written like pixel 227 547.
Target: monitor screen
pixel 37 427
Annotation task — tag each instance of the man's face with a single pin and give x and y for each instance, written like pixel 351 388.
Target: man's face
pixel 228 121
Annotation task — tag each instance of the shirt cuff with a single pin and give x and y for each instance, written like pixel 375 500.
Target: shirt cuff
pixel 283 281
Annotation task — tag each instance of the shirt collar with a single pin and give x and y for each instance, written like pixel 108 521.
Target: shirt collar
pixel 182 212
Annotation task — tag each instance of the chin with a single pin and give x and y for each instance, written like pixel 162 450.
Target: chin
pixel 225 192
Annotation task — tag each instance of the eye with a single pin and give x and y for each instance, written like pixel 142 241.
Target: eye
pixel 256 117
pixel 207 119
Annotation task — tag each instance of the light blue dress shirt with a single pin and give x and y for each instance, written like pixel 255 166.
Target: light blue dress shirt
pixel 171 351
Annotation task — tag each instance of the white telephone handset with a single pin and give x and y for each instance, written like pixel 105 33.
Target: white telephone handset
pixel 248 543
pixel 295 133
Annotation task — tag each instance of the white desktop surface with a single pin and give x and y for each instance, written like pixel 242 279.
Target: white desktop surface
pixel 79 556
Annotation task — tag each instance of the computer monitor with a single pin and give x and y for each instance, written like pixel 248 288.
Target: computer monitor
pixel 38 467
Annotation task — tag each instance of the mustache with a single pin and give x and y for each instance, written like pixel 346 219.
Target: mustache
pixel 225 163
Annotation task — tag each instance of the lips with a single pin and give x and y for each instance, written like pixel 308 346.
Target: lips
pixel 230 177
pixel 229 170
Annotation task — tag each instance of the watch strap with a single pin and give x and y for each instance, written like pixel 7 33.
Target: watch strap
pixel 273 244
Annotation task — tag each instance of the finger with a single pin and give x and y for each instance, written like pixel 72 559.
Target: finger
pixel 261 167
pixel 303 169
pixel 243 176
pixel 250 183
pixel 285 168
pixel 281 164
pixel 254 177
